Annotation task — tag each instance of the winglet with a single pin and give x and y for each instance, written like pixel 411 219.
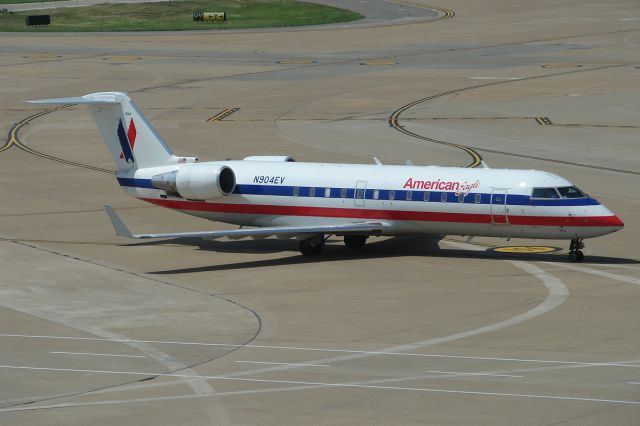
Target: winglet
pixel 118 225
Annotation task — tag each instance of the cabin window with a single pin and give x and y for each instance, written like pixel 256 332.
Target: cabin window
pixel 392 195
pixel 461 198
pixel 327 192
pixel 477 198
pixel 544 193
pixel 443 197
pixel 343 193
pixel 409 195
pixel 296 191
pixel 571 192
pixel 360 193
pixel 312 192
pixel 376 194
pixel 425 196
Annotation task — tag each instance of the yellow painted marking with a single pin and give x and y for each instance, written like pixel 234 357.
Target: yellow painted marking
pixel 121 58
pixel 375 62
pixel 223 114
pixel 296 61
pixel 525 249
pixel 543 121
pixel 13 140
pixel 393 122
pixel 562 66
pixel 444 13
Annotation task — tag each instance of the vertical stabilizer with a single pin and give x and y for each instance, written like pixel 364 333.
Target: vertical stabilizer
pixel 132 141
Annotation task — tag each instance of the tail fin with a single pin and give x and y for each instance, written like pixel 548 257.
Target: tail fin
pixel 131 139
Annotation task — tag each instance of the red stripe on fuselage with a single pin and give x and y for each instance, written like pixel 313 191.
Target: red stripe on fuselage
pixel 268 209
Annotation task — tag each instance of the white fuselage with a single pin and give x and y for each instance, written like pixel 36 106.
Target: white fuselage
pixel 411 199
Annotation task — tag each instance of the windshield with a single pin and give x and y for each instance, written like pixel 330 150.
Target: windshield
pixel 544 193
pixel 571 192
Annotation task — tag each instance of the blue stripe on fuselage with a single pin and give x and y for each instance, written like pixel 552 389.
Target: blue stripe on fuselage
pixel 383 194
pixel 136 183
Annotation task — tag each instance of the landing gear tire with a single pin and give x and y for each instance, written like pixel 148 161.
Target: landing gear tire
pixel 311 246
pixel 355 241
pixel 575 252
pixel 576 256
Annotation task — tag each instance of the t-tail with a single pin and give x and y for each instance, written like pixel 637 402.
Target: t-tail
pixel 131 139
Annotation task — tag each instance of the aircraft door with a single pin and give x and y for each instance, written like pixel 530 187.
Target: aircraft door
pixel 359 194
pixel 499 211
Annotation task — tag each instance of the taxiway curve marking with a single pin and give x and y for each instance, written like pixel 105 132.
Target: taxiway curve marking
pixel 14 140
pixel 473 151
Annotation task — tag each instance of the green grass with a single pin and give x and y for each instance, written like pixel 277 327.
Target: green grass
pixel 177 16
pixel 24 1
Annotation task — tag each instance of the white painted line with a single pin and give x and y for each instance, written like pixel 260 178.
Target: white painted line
pixel 328 385
pixel 92 354
pixel 298 348
pixel 457 373
pixel 285 363
pixel 495 78
pixel 634 383
pixel 597 272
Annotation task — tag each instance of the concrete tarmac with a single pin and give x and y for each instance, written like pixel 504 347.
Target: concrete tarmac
pixel 95 329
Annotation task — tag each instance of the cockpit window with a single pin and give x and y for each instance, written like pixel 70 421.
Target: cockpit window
pixel 571 192
pixel 544 193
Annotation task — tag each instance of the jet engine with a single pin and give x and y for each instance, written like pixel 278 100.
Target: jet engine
pixel 197 181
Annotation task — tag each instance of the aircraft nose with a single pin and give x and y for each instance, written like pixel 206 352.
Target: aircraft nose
pixel 617 222
pixel 612 221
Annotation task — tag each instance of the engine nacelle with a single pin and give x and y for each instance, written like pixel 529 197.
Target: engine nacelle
pixel 197 181
pixel 280 158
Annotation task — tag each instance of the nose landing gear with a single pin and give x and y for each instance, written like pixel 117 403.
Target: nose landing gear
pixel 575 252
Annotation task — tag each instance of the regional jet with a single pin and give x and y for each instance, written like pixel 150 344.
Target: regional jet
pixel 276 196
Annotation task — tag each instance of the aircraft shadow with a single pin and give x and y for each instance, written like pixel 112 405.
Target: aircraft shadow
pixel 335 251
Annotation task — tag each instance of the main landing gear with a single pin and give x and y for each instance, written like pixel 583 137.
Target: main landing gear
pixel 575 252
pixel 355 241
pixel 312 246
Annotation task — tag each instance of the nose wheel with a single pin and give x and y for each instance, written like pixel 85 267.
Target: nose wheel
pixel 575 252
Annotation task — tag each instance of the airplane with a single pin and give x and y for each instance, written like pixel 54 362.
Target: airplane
pixel 278 196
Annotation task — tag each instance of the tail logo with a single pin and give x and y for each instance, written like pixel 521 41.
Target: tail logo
pixel 127 141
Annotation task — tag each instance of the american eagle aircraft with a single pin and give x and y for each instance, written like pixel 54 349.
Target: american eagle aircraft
pixel 277 196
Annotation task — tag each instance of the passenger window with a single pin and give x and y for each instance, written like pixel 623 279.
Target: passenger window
pixel 443 197
pixel 343 193
pixel 425 196
pixel 359 194
pixel 544 193
pixel 409 195
pixel 312 192
pixel 392 195
pixel 327 192
pixel 571 192
pixel 376 194
pixel 296 191
pixel 477 198
pixel 461 198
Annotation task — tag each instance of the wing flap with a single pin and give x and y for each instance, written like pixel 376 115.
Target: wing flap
pixel 281 232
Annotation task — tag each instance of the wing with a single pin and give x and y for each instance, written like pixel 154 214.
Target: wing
pixel 368 228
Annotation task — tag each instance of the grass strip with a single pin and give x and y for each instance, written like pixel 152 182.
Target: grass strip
pixel 24 1
pixel 178 16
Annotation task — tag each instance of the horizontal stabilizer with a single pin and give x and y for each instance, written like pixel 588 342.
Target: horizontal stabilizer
pixel 118 225
pixel 366 228
pixel 92 99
